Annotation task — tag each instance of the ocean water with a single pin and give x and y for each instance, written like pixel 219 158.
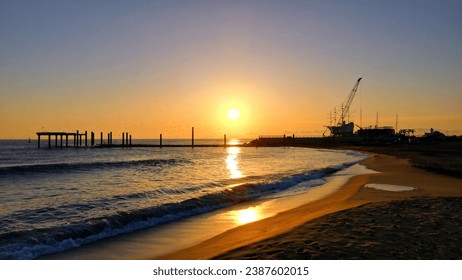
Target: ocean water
pixel 56 199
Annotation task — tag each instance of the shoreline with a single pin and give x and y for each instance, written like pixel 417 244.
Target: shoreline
pixel 187 232
pixel 393 170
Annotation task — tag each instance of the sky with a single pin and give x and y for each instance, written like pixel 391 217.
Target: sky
pixel 151 67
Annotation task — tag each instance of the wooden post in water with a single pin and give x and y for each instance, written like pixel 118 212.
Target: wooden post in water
pixel 67 140
pixel 108 138
pixel 56 140
pixel 160 139
pixel 192 137
pixel 123 138
pixel 130 139
pixel 86 139
pixel 225 140
pixel 101 137
pixel 38 140
pixel 92 139
pixel 61 140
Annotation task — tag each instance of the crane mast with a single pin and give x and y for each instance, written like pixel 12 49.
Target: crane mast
pixel 347 103
pixel 342 128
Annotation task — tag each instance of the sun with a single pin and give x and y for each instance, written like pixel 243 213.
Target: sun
pixel 234 114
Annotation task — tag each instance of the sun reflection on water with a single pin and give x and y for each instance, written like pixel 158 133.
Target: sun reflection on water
pixel 232 162
pixel 234 142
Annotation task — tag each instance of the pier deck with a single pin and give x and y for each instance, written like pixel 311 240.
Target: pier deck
pixel 77 138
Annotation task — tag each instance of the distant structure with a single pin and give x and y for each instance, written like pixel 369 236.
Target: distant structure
pixel 434 135
pixel 77 138
pixel 61 139
pixel 342 128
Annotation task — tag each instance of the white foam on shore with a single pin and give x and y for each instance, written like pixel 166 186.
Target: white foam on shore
pixel 390 188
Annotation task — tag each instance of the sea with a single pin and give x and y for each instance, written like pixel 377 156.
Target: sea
pixel 55 199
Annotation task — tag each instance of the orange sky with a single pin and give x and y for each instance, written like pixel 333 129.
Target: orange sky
pixel 164 66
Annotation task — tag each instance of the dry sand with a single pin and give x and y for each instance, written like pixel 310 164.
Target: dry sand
pixel 356 222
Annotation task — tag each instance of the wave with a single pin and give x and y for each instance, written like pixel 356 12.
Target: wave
pixel 30 244
pixel 85 166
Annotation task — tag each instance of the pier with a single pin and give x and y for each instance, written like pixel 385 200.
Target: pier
pixel 77 138
pixel 61 140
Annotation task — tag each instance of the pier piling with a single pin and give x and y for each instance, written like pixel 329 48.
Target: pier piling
pixel 77 135
pixel 192 137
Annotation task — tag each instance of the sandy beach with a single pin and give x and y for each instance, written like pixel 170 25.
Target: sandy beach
pixel 356 222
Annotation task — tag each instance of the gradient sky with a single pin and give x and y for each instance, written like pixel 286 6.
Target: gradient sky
pixel 151 67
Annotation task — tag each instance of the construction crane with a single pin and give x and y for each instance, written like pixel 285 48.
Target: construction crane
pixel 342 128
pixel 347 103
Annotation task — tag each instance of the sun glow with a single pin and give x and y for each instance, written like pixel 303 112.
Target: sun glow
pixel 234 114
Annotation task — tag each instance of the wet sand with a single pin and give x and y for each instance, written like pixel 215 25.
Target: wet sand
pixel 356 222
pixel 417 228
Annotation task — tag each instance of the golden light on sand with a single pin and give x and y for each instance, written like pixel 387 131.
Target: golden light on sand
pixel 234 114
pixel 246 216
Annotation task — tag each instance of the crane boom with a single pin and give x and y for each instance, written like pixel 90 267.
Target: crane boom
pixel 346 105
pixel 343 129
